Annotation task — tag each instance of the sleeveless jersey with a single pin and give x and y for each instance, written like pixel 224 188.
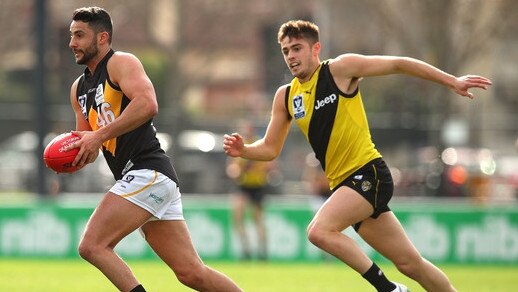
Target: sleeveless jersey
pixel 254 173
pixel 101 102
pixel 334 124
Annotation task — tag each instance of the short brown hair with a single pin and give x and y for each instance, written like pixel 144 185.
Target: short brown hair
pixel 299 29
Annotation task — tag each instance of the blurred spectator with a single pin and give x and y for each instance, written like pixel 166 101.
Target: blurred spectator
pixel 251 179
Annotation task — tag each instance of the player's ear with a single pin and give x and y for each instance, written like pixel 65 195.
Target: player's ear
pixel 316 48
pixel 103 37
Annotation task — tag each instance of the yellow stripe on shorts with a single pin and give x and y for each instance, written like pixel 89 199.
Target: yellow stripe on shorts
pixel 143 188
pixel 377 185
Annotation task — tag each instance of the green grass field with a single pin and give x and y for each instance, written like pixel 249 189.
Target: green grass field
pixel 77 276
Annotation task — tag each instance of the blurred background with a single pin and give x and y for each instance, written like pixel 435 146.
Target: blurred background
pixel 216 62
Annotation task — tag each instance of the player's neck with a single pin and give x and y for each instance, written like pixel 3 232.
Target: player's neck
pixel 95 61
pixel 308 77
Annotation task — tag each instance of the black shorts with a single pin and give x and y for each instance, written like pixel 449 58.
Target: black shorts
pixel 373 182
pixel 254 194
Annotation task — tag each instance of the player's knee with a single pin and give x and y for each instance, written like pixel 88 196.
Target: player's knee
pixel 410 268
pixel 189 279
pixel 87 249
pixel 192 277
pixel 315 235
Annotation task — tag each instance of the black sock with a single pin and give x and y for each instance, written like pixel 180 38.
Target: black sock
pixel 377 278
pixel 138 288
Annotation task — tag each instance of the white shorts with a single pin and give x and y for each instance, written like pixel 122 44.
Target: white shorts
pixel 153 191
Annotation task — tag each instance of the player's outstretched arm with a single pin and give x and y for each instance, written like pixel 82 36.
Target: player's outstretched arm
pixel 348 66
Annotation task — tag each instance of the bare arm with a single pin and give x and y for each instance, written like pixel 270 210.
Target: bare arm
pixel 127 72
pixel 270 146
pixel 351 66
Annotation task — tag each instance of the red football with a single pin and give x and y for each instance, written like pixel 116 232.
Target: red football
pixel 56 158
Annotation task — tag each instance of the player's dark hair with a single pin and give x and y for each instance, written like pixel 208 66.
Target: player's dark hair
pixel 97 18
pixel 299 29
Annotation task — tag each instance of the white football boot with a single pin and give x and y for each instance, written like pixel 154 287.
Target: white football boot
pixel 400 288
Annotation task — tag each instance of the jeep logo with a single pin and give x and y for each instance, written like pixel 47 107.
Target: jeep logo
pixel 328 99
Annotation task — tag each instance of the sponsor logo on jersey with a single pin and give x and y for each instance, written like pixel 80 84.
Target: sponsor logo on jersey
pixel 81 100
pixel 99 95
pixel 327 100
pixel 298 107
pixel 128 166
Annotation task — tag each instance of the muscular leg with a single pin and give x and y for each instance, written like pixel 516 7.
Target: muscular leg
pixel 172 243
pixel 343 209
pixel 386 235
pixel 111 221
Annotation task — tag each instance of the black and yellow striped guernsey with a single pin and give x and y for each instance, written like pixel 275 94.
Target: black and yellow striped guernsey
pixel 101 102
pixel 334 123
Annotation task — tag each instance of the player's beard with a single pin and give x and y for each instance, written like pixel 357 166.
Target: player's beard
pixel 88 54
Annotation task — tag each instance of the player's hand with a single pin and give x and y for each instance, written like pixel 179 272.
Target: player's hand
pixel 233 145
pixel 464 83
pixel 88 145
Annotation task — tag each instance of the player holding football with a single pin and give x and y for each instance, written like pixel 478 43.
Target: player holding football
pixel 114 103
pixel 324 100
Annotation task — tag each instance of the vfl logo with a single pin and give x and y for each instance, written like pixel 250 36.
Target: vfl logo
pixel 127 179
pixel 298 107
pixel 327 100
